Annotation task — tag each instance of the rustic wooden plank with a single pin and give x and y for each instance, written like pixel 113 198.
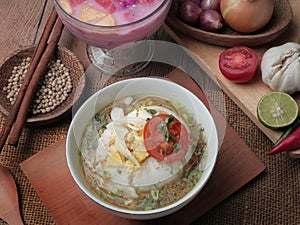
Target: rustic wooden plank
pixel 16 32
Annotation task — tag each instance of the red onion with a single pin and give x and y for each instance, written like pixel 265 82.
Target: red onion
pixel 211 20
pixel 189 12
pixel 210 4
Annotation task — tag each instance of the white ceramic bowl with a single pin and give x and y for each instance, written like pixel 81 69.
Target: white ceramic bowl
pixel 137 86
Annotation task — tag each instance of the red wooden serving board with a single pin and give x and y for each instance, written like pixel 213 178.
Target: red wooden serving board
pixel 49 175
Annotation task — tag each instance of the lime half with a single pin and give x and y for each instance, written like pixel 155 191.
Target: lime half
pixel 277 109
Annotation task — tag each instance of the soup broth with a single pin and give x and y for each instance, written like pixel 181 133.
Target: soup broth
pixel 123 172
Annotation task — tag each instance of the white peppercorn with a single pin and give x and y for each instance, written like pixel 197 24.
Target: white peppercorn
pixel 54 88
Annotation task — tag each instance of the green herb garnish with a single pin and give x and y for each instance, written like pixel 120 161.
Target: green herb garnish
pixel 101 119
pixel 151 111
pixel 163 127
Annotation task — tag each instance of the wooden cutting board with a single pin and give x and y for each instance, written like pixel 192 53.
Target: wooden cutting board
pixel 48 173
pixel 246 96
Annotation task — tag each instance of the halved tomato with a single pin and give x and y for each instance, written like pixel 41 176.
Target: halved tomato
pixel 238 64
pixel 166 138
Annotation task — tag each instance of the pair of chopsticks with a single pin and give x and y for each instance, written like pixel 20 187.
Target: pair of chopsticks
pixel 44 51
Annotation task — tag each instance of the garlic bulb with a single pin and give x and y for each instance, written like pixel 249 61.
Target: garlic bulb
pixel 280 67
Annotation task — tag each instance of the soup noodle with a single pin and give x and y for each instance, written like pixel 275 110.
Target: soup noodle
pixel 122 172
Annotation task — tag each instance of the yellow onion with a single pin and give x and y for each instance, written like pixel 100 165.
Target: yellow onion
pixel 247 16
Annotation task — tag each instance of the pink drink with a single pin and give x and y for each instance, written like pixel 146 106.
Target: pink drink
pixel 110 23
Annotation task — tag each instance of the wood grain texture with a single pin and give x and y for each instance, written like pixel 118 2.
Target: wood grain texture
pixel 236 165
pixel 13 34
pixel 246 96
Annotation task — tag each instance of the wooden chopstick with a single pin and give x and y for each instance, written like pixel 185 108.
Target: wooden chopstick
pixel 40 48
pixel 32 87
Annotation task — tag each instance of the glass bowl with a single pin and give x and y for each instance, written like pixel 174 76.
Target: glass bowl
pixel 109 37
pixel 108 46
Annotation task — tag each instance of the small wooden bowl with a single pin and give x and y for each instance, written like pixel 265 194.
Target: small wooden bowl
pixel 282 16
pixel 70 61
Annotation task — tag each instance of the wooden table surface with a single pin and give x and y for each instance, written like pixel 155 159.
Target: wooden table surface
pixel 21 24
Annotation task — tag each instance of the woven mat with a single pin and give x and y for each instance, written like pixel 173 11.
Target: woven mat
pixel 271 198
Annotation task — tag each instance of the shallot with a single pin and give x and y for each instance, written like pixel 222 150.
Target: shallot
pixel 211 20
pixel 197 2
pixel 210 4
pixel 189 12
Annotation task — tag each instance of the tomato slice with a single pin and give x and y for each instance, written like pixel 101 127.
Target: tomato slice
pixel 166 138
pixel 238 64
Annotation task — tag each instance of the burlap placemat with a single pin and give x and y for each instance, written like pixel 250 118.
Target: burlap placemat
pixel 271 198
